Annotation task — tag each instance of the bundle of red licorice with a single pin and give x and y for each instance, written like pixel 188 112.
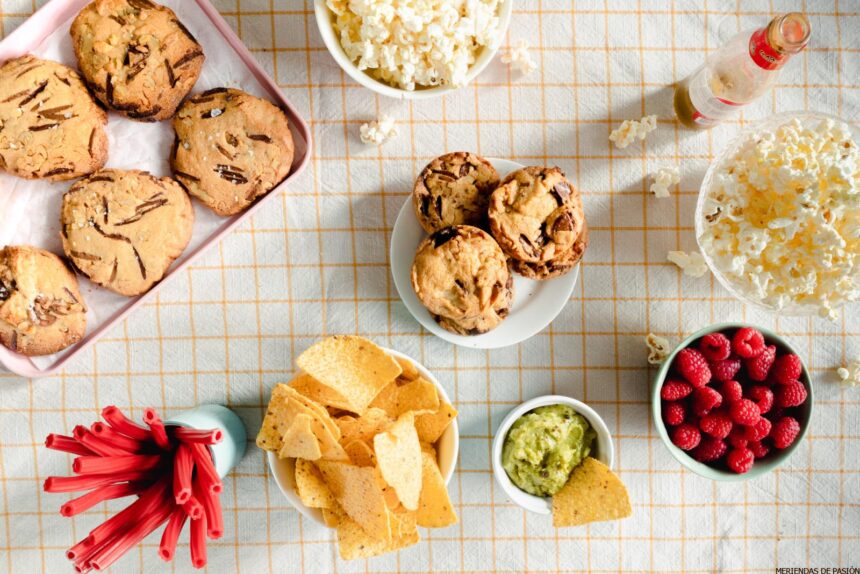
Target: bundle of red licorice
pixel 170 470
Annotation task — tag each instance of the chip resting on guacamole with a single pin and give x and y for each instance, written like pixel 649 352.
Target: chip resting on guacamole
pixel 593 494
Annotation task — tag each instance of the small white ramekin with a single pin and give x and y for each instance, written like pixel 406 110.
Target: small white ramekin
pixel 325 22
pixel 602 448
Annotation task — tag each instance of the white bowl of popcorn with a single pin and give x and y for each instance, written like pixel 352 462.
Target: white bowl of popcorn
pixel 778 215
pixel 415 49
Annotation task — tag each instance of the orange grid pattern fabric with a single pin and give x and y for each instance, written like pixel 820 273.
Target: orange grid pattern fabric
pixel 317 264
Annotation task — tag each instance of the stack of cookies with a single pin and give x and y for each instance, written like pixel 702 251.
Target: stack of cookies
pixel 483 229
pixel 122 229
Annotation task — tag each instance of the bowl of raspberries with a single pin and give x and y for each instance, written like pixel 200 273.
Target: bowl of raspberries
pixel 732 402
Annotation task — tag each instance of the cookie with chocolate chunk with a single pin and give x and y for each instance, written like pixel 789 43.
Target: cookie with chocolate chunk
pixel 230 148
pixel 50 126
pixel 454 189
pixel 556 267
pixel 137 57
pixel 41 308
pixel 536 215
pixel 461 275
pixel 123 229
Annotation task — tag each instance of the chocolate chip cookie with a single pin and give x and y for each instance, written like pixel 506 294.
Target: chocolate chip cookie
pixel 454 189
pixel 536 214
pixel 123 229
pixel 461 275
pixel 41 308
pixel 557 267
pixel 230 148
pixel 137 57
pixel 50 126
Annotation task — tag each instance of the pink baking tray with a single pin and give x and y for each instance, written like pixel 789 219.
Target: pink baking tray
pixel 26 38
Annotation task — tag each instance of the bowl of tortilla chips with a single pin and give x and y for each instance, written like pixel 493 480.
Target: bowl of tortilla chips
pixel 363 440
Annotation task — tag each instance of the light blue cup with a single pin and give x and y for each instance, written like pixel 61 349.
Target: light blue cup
pixel 227 453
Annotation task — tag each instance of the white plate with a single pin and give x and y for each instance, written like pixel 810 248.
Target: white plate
pixel 536 303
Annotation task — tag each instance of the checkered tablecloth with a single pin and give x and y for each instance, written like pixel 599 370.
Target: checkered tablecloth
pixel 317 263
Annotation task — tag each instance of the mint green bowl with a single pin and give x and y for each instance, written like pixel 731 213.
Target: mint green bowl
pixel 776 456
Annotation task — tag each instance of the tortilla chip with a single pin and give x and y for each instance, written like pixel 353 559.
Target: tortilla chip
pixel 409 372
pixel 363 428
pixel 354 367
pixel 360 453
pixel 316 391
pixel 310 487
pixel 429 449
pixel 300 441
pixel 431 426
pixel 403 523
pixel 314 408
pixel 592 494
pixel 398 457
pixel 332 517
pixel 419 396
pixel 354 542
pixel 434 507
pixel 358 491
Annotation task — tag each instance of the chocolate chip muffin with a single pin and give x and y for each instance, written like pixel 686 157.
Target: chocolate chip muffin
pixel 231 148
pixel 50 125
pixel 536 214
pixel 136 56
pixel 454 189
pixel 41 308
pixel 123 229
pixel 461 275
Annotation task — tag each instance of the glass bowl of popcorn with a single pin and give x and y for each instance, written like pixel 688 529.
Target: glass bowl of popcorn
pixel 778 214
pixel 416 49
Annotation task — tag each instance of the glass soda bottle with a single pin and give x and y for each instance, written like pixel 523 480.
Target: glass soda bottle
pixel 739 72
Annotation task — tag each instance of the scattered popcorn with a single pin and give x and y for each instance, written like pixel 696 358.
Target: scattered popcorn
pixel 665 178
pixel 850 375
pixel 629 130
pixel 410 43
pixel 378 132
pixel 520 59
pixel 782 218
pixel 692 264
pixel 658 348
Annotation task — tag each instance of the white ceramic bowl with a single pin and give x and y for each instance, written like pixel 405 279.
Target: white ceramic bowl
pixel 447 451
pixel 325 22
pixel 602 448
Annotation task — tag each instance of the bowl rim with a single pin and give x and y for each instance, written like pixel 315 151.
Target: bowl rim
pixel 724 154
pixel 605 450
pixel 280 472
pixel 770 463
pixel 324 22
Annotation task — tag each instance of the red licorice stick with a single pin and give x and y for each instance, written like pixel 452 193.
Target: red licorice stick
pixel 122 543
pixel 213 436
pixel 107 434
pixel 159 433
pixel 212 509
pixel 122 424
pixel 198 542
pixel 66 444
pixel 193 508
pixel 143 506
pixel 206 472
pixel 183 468
pixel 90 481
pixel 114 464
pixel 95 444
pixel 100 494
pixel 80 548
pixel 167 548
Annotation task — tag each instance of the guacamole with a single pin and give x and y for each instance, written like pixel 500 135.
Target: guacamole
pixel 544 446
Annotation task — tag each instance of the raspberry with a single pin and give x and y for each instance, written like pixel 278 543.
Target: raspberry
pixel 787 368
pixel 686 436
pixel 715 347
pixel 717 424
pixel 784 431
pixel 705 399
pixel 761 396
pixel 758 449
pixel 745 412
pixel 738 438
pixel 693 367
pixel 732 391
pixel 740 460
pixel 748 343
pixel 710 449
pixel 791 394
pixel 674 413
pixel 725 370
pixel 674 390
pixel 759 366
pixel 758 431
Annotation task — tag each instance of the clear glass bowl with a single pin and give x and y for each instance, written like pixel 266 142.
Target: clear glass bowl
pixel 769 124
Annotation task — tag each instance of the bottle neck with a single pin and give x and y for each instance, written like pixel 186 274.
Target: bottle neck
pixel 772 46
